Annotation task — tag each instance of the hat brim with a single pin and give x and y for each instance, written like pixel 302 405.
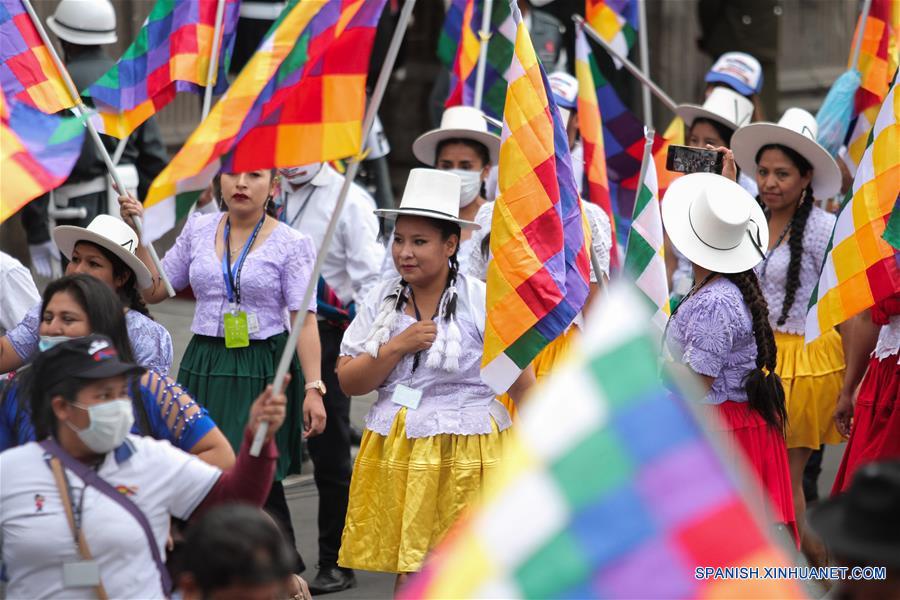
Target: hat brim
pixel 747 141
pixel 827 520
pixel 691 112
pixel 67 236
pixel 676 220
pixel 425 146
pixel 110 368
pixel 393 213
pixel 734 83
pixel 79 37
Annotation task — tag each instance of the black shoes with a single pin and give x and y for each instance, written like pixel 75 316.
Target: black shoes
pixel 332 579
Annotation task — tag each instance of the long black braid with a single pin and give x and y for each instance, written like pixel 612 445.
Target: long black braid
pixel 797 227
pixel 128 292
pixel 764 390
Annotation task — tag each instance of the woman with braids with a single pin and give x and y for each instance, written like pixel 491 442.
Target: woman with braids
pixel 77 306
pixel 435 433
pixel 791 170
pixel 105 249
pixel 720 331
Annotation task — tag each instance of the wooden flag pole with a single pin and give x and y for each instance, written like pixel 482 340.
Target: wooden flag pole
pixel 213 61
pixel 645 61
pixel 644 79
pixel 484 36
pixel 84 112
pixel 371 112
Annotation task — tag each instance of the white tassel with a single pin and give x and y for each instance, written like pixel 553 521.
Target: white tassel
pixel 453 348
pixel 436 352
pixel 381 328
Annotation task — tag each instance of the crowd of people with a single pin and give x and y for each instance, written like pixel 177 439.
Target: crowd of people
pixel 102 435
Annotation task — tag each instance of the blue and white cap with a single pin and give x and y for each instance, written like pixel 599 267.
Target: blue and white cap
pixel 739 71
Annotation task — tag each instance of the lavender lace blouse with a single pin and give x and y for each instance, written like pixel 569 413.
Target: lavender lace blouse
pixel 456 403
pixel 773 272
pixel 712 333
pixel 274 277
pixel 150 341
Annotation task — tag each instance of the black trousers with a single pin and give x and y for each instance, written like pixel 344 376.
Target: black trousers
pixel 330 452
pixel 277 507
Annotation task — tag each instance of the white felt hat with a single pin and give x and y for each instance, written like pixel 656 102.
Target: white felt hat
pixel 797 130
pixel 723 105
pixel 457 122
pixel 430 193
pixel 715 223
pixel 110 233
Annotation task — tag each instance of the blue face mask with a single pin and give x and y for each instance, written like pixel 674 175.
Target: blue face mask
pixel 48 341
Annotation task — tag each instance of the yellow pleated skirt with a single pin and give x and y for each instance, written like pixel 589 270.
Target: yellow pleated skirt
pixel 405 494
pixel 812 376
pixel 555 352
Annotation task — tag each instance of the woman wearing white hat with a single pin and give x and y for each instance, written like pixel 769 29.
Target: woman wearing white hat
pixel 435 433
pixel 105 249
pixel 464 146
pixel 791 169
pixel 721 331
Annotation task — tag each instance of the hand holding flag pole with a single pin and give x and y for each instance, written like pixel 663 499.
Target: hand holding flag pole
pixel 371 112
pixel 83 111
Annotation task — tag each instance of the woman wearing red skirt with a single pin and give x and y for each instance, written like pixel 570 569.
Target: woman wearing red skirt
pixel 875 352
pixel 720 331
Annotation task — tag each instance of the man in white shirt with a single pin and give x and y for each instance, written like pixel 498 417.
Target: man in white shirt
pixel 353 264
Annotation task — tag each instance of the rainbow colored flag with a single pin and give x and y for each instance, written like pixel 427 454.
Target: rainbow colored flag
pixel 27 72
pixel 499 56
pixel 878 59
pixel 616 21
pixel 300 99
pixel 861 268
pixel 645 261
pixel 37 152
pixel 170 54
pixel 590 124
pixel 623 496
pixel 537 281
pixel 451 32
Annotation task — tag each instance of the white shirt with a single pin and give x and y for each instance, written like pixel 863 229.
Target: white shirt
pixel 35 538
pixel 353 264
pixel 17 292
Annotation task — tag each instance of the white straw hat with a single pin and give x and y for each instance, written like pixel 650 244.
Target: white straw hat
pixel 110 233
pixel 715 223
pixel 430 193
pixel 457 122
pixel 797 130
pixel 723 106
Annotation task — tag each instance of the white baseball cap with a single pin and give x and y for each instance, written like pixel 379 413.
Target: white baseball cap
pixel 739 71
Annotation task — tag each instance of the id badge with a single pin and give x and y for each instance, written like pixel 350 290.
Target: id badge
pixel 84 573
pixel 237 334
pixel 252 323
pixel 407 396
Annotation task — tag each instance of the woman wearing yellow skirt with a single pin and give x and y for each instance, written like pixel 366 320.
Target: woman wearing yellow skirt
pixel 435 434
pixel 790 168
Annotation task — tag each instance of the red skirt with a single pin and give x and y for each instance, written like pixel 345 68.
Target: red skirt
pixel 748 438
pixel 876 420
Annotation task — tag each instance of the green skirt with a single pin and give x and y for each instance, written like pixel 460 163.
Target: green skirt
pixel 227 381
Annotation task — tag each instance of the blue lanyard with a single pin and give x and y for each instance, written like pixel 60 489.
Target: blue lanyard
pixel 284 213
pixel 231 275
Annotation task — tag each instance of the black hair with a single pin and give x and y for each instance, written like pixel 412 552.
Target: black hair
pixel 765 392
pixel 797 227
pixel 271 210
pixel 480 149
pixel 235 544
pixel 722 130
pixel 106 317
pixel 128 292
pixel 447 229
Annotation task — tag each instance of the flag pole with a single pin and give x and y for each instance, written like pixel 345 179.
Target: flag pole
pixel 84 112
pixel 857 43
pixel 649 134
pixel 644 79
pixel 290 347
pixel 484 36
pixel 645 60
pixel 213 61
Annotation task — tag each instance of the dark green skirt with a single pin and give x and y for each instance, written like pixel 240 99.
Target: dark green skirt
pixel 226 382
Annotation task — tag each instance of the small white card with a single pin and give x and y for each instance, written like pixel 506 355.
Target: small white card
pixel 84 573
pixel 407 396
pixel 252 323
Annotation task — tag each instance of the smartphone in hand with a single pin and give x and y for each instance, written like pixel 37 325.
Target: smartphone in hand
pixel 685 159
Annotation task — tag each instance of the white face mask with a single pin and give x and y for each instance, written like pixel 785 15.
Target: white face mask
pixel 470 186
pixel 110 423
pixel 297 176
pixel 48 341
